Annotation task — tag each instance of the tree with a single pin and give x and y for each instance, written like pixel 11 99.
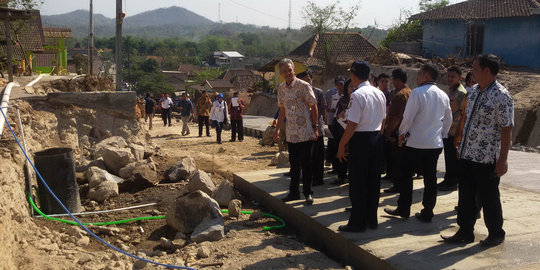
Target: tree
pixel 25 4
pixel 428 5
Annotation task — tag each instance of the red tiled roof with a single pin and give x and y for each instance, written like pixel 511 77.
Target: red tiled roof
pixel 220 84
pixel 28 32
pixel 482 9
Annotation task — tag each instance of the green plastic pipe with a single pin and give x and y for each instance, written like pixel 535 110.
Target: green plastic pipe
pixel 266 228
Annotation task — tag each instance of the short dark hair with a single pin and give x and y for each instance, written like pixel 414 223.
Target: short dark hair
pixel 147 95
pixel 236 93
pixel 346 88
pixel 304 74
pixel 398 73
pixel 490 61
pixel 432 70
pixel 383 76
pixel 455 69
pixel 468 77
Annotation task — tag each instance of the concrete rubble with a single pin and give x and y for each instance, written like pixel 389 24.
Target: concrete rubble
pixel 201 181
pixel 224 193
pixel 181 171
pixel 189 211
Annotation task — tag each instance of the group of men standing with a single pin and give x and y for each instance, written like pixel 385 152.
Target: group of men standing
pixel 407 131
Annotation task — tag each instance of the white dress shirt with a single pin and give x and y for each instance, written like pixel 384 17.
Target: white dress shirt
pixel 166 103
pixel 218 111
pixel 367 108
pixel 427 117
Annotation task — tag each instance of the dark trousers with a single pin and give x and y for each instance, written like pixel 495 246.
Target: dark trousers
pixel 341 167
pixel 166 115
pixel 317 156
pixel 219 128
pixel 479 181
pixel 365 154
pixel 387 159
pixel 451 162
pixel 237 126
pixel 300 159
pixel 331 152
pixel 424 160
pixel 204 120
pixel 396 157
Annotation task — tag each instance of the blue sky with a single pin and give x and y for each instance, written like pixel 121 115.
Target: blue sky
pixel 274 13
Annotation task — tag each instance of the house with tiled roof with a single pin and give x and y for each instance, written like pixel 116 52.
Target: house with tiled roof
pixel 54 54
pixel 241 79
pixel 342 47
pixel 507 28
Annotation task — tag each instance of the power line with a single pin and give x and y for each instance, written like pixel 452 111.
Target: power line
pixel 264 13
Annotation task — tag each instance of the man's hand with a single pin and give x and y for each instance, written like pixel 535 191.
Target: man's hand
pixel 276 135
pixel 401 139
pixel 342 153
pixel 501 167
pixel 316 135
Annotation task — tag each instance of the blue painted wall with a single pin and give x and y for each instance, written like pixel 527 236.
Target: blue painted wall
pixel 444 38
pixel 516 40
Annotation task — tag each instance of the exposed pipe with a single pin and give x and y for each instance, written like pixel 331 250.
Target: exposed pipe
pixel 102 211
pixel 35 80
pixel 4 104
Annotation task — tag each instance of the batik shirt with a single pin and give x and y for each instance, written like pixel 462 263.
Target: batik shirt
pixel 297 99
pixel 487 112
pixel 457 98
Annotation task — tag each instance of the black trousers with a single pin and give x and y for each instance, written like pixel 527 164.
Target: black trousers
pixel 451 162
pixel 479 181
pixel 365 154
pixel 396 156
pixel 204 120
pixel 424 160
pixel 331 152
pixel 317 156
pixel 386 163
pixel 341 167
pixel 166 115
pixel 237 126
pixel 300 159
pixel 219 128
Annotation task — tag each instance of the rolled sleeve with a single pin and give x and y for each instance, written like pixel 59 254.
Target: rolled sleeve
pixel 280 98
pixel 309 96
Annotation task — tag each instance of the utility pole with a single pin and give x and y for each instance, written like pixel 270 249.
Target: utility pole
pixel 91 41
pixel 219 12
pixel 119 19
pixel 8 47
pixel 290 16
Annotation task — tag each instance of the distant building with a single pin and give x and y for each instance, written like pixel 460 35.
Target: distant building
pixel 214 86
pixel 509 29
pixel 55 55
pixel 177 79
pixel 231 59
pixel 189 69
pixel 241 79
pixel 346 47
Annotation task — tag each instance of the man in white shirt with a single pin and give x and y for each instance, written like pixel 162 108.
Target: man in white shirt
pixel 166 110
pixel 365 118
pixel 426 121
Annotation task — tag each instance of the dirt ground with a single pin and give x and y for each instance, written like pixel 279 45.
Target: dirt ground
pixel 35 243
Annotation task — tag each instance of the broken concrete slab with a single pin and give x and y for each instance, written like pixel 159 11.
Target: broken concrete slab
pixel 187 212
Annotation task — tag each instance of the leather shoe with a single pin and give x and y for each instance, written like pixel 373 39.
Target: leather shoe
pixel 392 189
pixel 396 212
pixel 348 209
pixel 422 217
pixel 458 238
pixel 349 228
pixel 491 241
pixel 447 188
pixel 309 200
pixel 291 197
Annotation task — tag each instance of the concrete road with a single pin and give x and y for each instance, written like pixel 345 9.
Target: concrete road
pixel 410 244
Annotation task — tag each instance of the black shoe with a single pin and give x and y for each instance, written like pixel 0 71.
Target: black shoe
pixel 200 136
pixel 458 238
pixel 333 172
pixel 422 217
pixel 309 200
pixel 338 182
pixel 208 135
pixel 287 174
pixel 391 190
pixel 447 188
pixel 348 209
pixel 241 140
pixel 316 184
pixel 387 177
pixel 396 212
pixel 232 140
pixel 349 228
pixel 492 241
pixel 291 197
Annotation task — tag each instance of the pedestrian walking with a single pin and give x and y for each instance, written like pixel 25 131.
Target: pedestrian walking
pixel 186 110
pixel 317 153
pixel 203 113
pixel 483 153
pixel 237 123
pixel 426 121
pixel 297 102
pixel 219 115
pixel 166 110
pixel 362 135
pixel 150 109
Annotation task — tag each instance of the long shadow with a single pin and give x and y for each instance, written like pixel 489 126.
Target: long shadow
pixel 264 153
pixel 312 260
